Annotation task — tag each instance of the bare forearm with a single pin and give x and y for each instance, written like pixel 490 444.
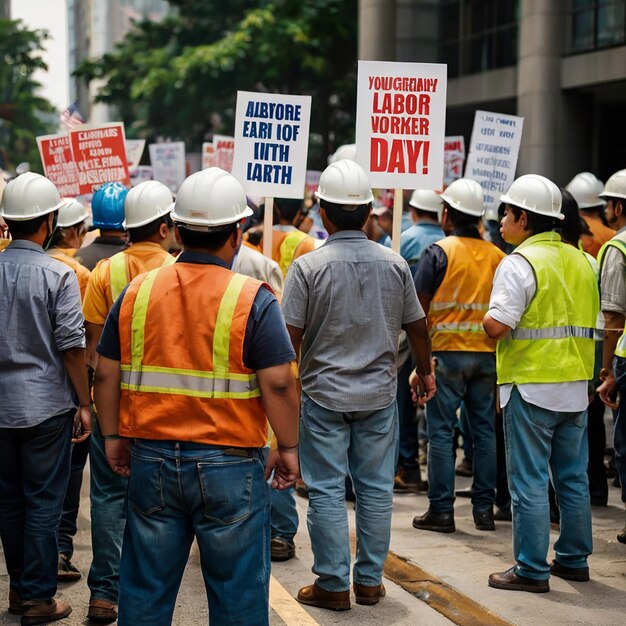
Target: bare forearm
pixel 495 329
pixel 76 367
pixel 107 395
pixel 93 332
pixel 613 328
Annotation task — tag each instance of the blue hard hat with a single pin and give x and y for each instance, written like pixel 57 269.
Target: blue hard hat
pixel 107 207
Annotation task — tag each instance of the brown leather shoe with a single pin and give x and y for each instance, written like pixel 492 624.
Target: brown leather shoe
pixel 282 549
pixel 67 572
pixel 513 582
pixel 312 595
pixel 44 611
pixel 15 603
pixel 368 595
pixel 579 574
pixel 102 611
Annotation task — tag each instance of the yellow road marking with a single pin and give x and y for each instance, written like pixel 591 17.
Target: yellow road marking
pixel 287 606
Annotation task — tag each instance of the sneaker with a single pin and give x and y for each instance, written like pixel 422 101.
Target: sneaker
pixel 66 570
pixel 437 522
pixel 44 611
pixel 282 549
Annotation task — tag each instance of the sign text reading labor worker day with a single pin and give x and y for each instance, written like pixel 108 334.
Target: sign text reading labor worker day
pixel 493 152
pixel 100 155
pixel 56 158
pixel 400 123
pixel 271 143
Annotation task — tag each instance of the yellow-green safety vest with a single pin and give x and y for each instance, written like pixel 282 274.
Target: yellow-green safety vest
pixel 554 340
pixel 118 272
pixel 620 244
pixel 288 249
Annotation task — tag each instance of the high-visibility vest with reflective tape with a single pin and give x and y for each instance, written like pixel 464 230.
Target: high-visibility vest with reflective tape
pixel 619 242
pixel 554 340
pixel 118 272
pixel 457 309
pixel 288 248
pixel 182 331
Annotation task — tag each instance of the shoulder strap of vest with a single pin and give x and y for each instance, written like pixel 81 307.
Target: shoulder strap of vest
pixel 168 260
pixel 613 243
pixel 288 248
pixel 118 274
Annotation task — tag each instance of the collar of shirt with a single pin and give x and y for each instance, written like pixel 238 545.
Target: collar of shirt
pixel 467 231
pixel 202 259
pixel 346 234
pixel 25 244
pixel 429 225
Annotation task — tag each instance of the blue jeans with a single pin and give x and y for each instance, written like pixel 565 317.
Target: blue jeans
pixel 538 439
pixel 363 443
pixel 108 516
pixel 408 449
pixel 178 491
pixel 283 513
pixel 34 470
pixel 619 434
pixel 468 377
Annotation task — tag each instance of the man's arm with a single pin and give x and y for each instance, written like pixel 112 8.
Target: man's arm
pixel 494 328
pixel 74 362
pixel 279 396
pixel 613 328
pixel 93 332
pixel 107 397
pixel 423 382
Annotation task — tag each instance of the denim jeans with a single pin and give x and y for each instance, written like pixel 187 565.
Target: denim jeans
pixel 178 491
pixel 34 471
pixel 283 513
pixel 619 434
pixel 468 377
pixel 71 503
pixel 363 443
pixel 538 440
pixel 108 516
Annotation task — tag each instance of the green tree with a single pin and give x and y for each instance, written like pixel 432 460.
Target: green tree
pixel 179 78
pixel 22 110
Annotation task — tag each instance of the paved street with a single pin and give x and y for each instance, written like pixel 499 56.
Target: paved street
pixel 444 578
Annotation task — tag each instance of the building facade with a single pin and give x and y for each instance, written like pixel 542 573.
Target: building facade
pixel 560 64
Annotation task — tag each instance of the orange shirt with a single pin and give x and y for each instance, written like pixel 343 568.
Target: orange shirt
pixel 82 273
pixel 601 234
pixel 140 258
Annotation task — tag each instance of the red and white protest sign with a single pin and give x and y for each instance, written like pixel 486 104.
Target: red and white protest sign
pixel 454 158
pixel 100 155
pixel 400 124
pixel 58 165
pixel 224 151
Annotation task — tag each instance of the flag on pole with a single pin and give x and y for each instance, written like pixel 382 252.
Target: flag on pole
pixel 71 117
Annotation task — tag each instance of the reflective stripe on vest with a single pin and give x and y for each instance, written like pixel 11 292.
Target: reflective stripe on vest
pixel 118 272
pixel 219 383
pixel 459 327
pixel 459 306
pixel 557 332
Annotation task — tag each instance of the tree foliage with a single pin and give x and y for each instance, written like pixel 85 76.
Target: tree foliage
pixel 21 108
pixel 178 78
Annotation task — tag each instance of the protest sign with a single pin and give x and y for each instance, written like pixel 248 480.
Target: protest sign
pixel 312 181
pixel 141 174
pixel 134 151
pixel 453 158
pixel 208 155
pixel 493 154
pixel 58 165
pixel 100 155
pixel 400 123
pixel 168 163
pixel 271 143
pixel 224 151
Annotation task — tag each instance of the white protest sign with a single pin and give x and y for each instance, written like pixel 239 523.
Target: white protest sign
pixel 134 151
pixel 400 123
pixel 141 174
pixel 493 154
pixel 168 163
pixel 454 158
pixel 208 155
pixel 271 143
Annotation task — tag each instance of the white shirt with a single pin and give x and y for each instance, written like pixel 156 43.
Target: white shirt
pixel 514 286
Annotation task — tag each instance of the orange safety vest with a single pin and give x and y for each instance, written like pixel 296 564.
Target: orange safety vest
pixel 182 330
pixel 455 318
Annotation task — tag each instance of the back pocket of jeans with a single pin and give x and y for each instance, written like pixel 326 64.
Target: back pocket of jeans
pixel 226 490
pixel 145 488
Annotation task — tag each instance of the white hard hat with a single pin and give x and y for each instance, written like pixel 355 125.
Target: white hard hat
pixel 347 151
pixel 586 188
pixel 210 198
pixel 71 213
pixel 616 186
pixel 426 200
pixel 147 202
pixel 465 195
pixel 536 194
pixel 28 196
pixel 345 182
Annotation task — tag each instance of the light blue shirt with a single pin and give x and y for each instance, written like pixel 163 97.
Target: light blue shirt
pixel 416 239
pixel 40 317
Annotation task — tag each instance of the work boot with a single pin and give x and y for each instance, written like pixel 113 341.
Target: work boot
pixel 409 480
pixel 438 522
pixel 483 520
pixel 43 611
pixel 312 595
pixel 66 571
pixel 578 574
pixel 464 468
pixel 368 595
pixel 511 581
pixel 102 611
pixel 282 549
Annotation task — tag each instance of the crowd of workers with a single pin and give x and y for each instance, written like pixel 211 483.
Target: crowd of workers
pixel 161 349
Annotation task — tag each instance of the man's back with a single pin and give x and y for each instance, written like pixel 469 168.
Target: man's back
pixel 351 296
